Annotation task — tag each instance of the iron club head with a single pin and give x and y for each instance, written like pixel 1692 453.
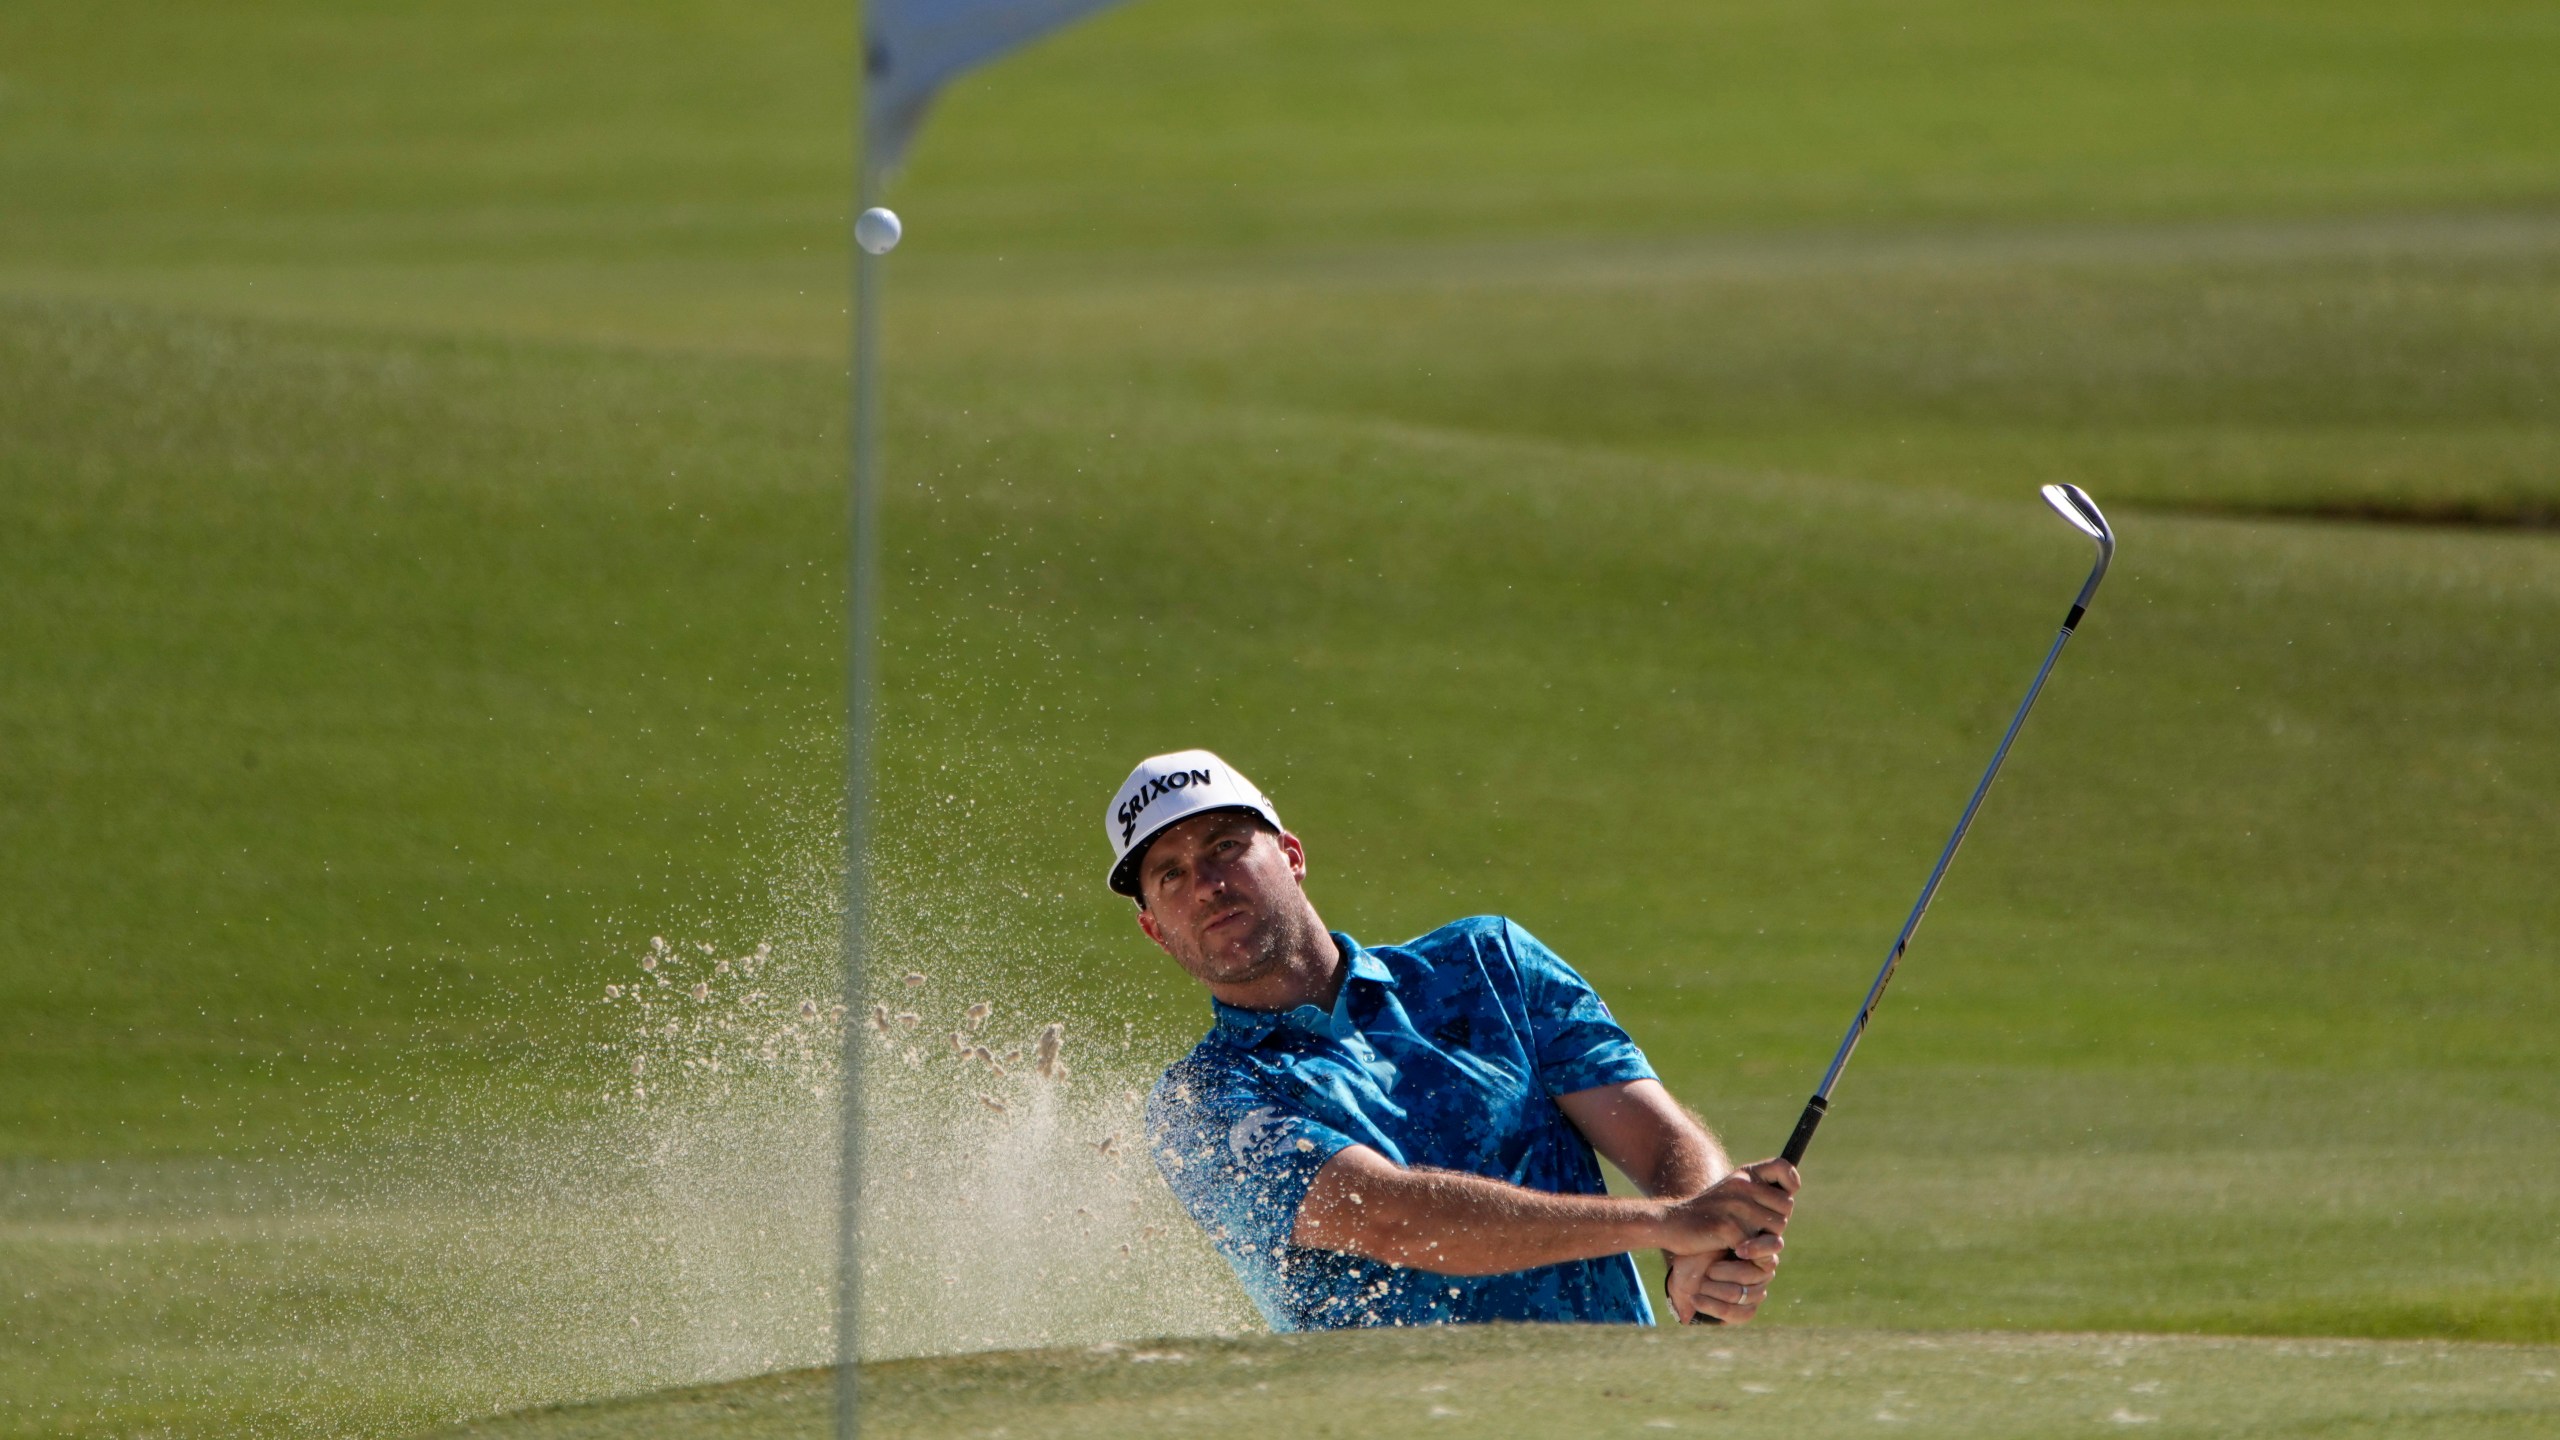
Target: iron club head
pixel 2074 505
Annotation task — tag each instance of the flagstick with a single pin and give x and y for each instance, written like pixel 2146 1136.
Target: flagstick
pixel 861 606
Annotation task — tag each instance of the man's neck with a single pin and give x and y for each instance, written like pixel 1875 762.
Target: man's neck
pixel 1311 974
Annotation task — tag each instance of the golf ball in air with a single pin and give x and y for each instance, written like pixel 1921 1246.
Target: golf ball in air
pixel 877 230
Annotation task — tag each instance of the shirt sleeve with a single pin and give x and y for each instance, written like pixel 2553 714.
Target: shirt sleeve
pixel 1579 1043
pixel 1239 1162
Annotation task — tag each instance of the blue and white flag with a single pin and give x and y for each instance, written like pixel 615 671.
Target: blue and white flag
pixel 912 48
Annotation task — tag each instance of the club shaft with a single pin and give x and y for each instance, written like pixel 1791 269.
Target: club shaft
pixel 1820 1104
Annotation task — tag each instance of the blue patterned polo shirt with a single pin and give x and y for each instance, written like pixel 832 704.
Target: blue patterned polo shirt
pixel 1448 1052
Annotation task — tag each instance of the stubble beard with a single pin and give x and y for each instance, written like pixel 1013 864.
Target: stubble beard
pixel 1265 950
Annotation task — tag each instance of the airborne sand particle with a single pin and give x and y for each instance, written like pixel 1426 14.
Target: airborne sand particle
pixel 1053 1038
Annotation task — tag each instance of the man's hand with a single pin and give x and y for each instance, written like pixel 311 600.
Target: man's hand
pixel 1754 1200
pixel 1729 1281
pixel 1726 1285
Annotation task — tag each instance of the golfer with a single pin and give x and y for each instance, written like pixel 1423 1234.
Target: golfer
pixel 1406 1135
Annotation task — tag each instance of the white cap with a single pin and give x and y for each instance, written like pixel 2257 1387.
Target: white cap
pixel 1163 790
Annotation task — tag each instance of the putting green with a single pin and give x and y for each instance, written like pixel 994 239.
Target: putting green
pixel 1539 1381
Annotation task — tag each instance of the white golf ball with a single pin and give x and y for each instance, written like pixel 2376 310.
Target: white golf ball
pixel 877 230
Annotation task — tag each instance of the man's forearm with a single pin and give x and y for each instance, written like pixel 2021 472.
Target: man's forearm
pixel 1668 1152
pixel 1458 1224
pixel 1693 1160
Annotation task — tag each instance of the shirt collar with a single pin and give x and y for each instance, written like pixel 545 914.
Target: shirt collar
pixel 1249 1028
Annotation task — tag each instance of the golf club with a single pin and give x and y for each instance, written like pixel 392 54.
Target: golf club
pixel 2074 505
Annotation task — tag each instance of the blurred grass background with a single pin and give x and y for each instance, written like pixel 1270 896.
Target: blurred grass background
pixel 1581 466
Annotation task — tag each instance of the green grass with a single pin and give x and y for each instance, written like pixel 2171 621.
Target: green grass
pixel 1513 1381
pixel 1581 473
pixel 288 132
pixel 355 670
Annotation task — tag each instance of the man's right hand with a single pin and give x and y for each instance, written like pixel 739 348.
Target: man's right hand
pixel 1725 1287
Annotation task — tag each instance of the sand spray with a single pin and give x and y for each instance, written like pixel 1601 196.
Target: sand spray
pixel 666 1215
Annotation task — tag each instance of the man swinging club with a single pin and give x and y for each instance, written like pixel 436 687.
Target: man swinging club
pixel 1406 1135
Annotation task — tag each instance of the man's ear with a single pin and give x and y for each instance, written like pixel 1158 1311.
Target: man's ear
pixel 1296 850
pixel 1147 922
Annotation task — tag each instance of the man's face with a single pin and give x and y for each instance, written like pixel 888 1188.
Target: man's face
pixel 1222 896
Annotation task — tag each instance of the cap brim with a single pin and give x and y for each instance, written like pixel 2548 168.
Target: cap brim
pixel 1123 878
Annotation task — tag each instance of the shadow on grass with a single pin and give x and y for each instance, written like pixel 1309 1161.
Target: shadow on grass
pixel 2450 513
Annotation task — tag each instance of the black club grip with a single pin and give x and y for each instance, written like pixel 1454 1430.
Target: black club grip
pixel 1806 1124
